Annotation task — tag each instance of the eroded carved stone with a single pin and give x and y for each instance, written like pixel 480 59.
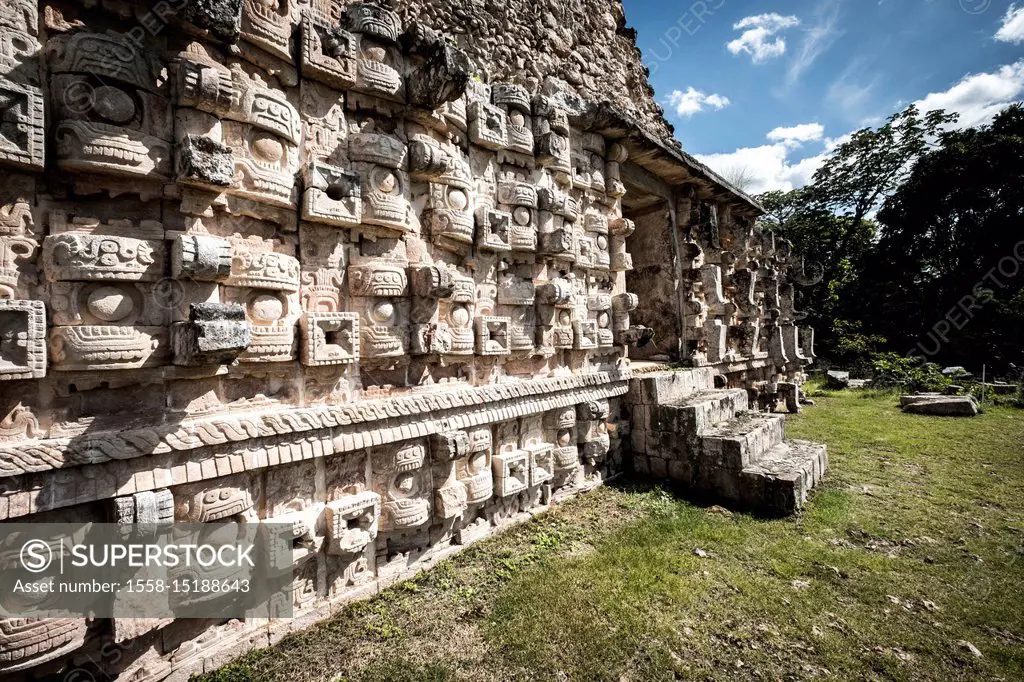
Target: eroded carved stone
pixel 402 477
pixel 22 339
pixel 329 338
pixel 216 333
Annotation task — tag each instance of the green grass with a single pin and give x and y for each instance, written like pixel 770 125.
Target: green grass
pixel 910 549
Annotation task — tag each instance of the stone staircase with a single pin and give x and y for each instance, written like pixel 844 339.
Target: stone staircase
pixel 708 439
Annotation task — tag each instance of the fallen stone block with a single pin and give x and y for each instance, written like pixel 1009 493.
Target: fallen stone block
pixel 940 405
pixel 836 379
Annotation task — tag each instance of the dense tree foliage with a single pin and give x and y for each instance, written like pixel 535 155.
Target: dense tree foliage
pixel 949 271
pixel 917 234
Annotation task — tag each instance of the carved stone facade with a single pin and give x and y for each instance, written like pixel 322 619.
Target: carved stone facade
pixel 307 262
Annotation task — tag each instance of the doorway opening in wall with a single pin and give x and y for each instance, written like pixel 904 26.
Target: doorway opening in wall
pixel 654 276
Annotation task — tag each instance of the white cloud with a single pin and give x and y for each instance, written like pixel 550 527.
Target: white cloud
pixel 756 40
pixel 817 39
pixel 770 166
pixel 692 101
pixel 850 93
pixel 978 97
pixel 1012 30
pixel 764 168
pixel 798 134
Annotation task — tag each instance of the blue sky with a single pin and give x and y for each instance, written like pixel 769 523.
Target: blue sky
pixel 763 89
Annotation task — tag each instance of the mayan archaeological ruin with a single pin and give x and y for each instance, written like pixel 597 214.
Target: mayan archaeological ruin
pixel 393 276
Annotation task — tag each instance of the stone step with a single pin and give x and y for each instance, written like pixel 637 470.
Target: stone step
pixel 667 437
pixel 700 411
pixel 779 483
pixel 669 387
pixel 742 441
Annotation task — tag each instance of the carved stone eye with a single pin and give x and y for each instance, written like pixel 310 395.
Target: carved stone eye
pixel 374 53
pixel 266 308
pixel 382 312
pixel 110 304
pixel 113 105
pixel 477 462
pixel 602 320
pixel 602 242
pixel 267 148
pixel 460 316
pixel 564 317
pixel 457 199
pixel 564 438
pixel 405 483
pixel 385 181
pixel 521 215
pixel 516 118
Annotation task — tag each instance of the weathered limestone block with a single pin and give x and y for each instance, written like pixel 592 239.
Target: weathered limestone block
pixel 22 106
pixel 329 338
pixel 27 642
pixel 201 258
pixel 402 478
pixel 122 123
pixel 23 339
pixel 205 161
pixel 790 392
pixel 145 507
pixel 942 405
pixel 222 18
pixel 216 333
pixel 352 522
pixel 332 195
pixel 444 72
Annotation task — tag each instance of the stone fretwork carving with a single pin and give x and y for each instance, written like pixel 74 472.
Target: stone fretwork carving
pixel 338 267
pixel 23 339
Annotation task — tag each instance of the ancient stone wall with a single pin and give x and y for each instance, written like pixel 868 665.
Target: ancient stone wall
pixel 272 261
pixel 719 292
pixel 297 261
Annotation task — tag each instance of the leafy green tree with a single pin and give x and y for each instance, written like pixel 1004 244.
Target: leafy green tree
pixel 867 168
pixel 830 223
pixel 948 271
